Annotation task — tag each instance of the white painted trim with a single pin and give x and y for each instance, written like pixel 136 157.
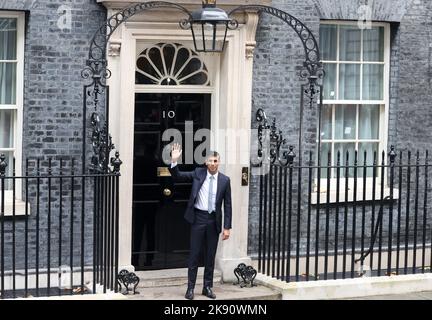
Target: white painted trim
pixel 231 89
pixel 348 288
pixel 172 89
pixel 384 125
pixel 352 23
pixel 18 123
pixel 353 101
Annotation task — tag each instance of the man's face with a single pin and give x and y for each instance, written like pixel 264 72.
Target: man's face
pixel 212 164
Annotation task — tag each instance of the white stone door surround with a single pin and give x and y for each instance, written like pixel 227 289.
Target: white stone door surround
pixel 231 73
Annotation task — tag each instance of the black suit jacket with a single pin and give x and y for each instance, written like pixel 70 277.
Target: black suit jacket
pixel 223 194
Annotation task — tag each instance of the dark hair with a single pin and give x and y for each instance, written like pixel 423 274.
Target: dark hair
pixel 212 153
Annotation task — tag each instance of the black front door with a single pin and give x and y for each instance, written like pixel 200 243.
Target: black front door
pixel 160 233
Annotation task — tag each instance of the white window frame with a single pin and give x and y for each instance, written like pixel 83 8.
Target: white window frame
pixel 383 123
pixel 18 117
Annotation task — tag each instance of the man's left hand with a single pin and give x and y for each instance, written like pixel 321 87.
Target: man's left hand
pixel 226 234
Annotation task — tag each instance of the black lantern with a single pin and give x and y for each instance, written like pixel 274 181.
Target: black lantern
pixel 209 26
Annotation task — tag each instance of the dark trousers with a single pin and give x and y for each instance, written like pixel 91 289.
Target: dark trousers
pixel 204 236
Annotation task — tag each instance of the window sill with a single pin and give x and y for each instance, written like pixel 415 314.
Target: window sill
pixel 20 208
pixel 368 196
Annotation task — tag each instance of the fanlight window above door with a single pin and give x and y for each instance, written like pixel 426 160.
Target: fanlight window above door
pixel 170 64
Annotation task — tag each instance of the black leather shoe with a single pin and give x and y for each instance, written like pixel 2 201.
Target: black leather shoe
pixel 207 291
pixel 189 294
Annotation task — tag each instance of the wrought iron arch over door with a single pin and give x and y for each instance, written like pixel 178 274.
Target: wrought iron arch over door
pixel 170 64
pixel 96 70
pixel 96 92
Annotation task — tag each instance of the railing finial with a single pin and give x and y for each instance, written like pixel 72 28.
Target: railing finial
pixel 116 163
pixel 392 154
pixel 3 165
pixel 290 155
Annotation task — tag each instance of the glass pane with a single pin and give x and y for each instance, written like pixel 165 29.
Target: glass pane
pixel 198 78
pixel 7 82
pixel 345 122
pixel 330 81
pixel 146 72
pixel 370 148
pixel 207 32
pixel 182 58
pixel 373 78
pixel 6 129
pixel 373 44
pixel 326 122
pixel 343 148
pixel 155 57
pixel 349 45
pixel 328 42
pixel 349 81
pixel 168 52
pixel 8 35
pixel 191 68
pixel 369 121
pixel 325 149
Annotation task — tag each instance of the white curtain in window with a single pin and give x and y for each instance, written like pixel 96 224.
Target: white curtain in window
pixel 330 81
pixel 369 122
pixel 373 81
pixel 349 43
pixel 8 46
pixel 328 42
pixel 7 83
pixel 6 129
pixel 373 44
pixel 8 35
pixel 349 81
pixel 345 122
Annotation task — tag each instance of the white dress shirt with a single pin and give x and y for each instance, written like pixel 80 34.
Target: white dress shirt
pixel 201 202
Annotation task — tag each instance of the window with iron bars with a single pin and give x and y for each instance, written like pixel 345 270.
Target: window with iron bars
pixel 355 97
pixel 355 102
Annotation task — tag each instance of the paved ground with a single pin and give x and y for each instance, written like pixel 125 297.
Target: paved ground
pixel 426 295
pixel 222 291
pixel 231 292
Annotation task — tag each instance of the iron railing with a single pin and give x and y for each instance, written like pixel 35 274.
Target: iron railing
pixel 58 229
pixel 345 218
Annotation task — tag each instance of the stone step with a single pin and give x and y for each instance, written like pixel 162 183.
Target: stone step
pixel 171 277
pixel 223 291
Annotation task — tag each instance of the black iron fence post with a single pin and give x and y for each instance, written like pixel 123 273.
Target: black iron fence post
pixel 28 245
pixel 116 164
pixel 71 235
pixel 26 229
pixel 425 213
pixel 359 197
pixel 392 157
pixel 3 166
pixel 49 228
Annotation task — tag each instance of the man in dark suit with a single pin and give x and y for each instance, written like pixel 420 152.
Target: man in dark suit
pixel 204 212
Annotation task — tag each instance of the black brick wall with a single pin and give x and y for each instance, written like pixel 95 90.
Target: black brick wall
pixel 278 56
pixel 52 108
